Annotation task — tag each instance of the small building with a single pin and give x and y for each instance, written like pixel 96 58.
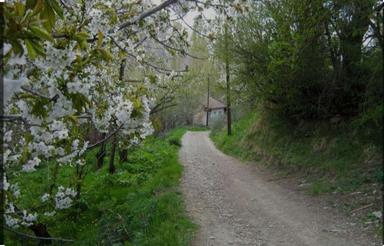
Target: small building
pixel 215 110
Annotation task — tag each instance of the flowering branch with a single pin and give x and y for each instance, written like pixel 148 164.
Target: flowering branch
pixel 106 138
pixel 147 13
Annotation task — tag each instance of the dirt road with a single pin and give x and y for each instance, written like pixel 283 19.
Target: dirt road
pixel 237 204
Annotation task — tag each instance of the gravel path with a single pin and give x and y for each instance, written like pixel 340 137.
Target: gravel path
pixel 237 204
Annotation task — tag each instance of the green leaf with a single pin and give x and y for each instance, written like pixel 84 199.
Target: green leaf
pixel 100 37
pixel 27 17
pixel 39 49
pixel 79 101
pixel 73 119
pixel 81 38
pixel 20 8
pixel 34 48
pixel 49 17
pixel 105 54
pixel 137 103
pixel 41 33
pixel 152 78
pixel 38 107
pixel 30 4
pixel 17 47
pixel 55 5
pixel 31 50
pixel 81 35
pixel 37 5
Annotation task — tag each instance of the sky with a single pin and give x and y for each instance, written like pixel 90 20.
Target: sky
pixel 189 18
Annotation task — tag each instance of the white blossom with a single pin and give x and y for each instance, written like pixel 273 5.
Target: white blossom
pixel 5 183
pixel 63 198
pixel 8 136
pixel 31 164
pixel 11 221
pixel 73 81
pixel 45 197
pixel 50 214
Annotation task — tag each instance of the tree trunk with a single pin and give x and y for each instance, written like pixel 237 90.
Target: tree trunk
pixel 40 230
pixel 101 154
pixel 112 168
pixel 123 154
pixel 207 119
pixel 122 69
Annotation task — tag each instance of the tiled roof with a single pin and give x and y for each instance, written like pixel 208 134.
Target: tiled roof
pixel 215 104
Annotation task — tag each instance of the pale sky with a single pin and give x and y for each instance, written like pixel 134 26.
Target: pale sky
pixel 189 18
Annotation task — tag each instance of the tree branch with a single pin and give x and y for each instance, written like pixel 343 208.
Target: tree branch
pixel 106 138
pixel 147 13
pixel 35 237
pixel 196 31
pixel 159 109
pixel 176 49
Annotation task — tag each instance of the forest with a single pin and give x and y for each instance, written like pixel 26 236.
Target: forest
pixel 107 124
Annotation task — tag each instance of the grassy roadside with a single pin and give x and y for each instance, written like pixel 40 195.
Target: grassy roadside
pixel 139 205
pixel 196 128
pixel 327 159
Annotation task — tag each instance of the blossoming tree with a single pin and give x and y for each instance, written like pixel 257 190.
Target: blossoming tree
pixel 64 64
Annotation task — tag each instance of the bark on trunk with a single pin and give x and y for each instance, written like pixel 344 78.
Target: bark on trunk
pixel 112 167
pixel 101 154
pixel 40 230
pixel 123 154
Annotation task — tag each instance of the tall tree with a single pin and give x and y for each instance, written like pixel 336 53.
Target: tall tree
pixel 224 53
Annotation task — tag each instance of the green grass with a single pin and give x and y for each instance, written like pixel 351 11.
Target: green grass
pixel 235 144
pixel 319 187
pixel 197 128
pixel 139 205
pixel 333 158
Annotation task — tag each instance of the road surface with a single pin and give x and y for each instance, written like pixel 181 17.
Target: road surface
pixel 238 204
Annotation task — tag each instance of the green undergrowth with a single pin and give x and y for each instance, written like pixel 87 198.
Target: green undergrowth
pixel 331 157
pixel 197 128
pixel 138 205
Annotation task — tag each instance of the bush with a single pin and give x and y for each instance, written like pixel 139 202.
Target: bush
pixel 175 141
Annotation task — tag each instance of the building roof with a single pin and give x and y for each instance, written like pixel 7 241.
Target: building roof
pixel 215 104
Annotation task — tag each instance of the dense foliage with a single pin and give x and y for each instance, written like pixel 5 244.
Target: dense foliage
pixel 311 59
pixel 309 80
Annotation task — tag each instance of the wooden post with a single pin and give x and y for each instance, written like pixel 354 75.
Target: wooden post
pixel 229 116
pixel 207 119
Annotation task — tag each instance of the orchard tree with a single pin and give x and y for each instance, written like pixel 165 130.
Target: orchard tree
pixel 64 67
